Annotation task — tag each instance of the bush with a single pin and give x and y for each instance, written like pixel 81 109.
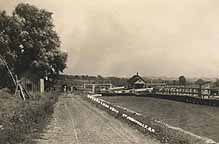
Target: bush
pixel 26 118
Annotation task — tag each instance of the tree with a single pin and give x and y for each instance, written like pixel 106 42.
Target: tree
pixel 100 77
pixel 200 82
pixel 182 80
pixel 216 83
pixel 174 82
pixel 29 43
pixel 10 27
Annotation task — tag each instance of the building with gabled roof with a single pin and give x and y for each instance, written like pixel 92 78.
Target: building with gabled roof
pixel 136 82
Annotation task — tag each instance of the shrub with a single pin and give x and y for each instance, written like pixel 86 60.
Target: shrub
pixel 27 117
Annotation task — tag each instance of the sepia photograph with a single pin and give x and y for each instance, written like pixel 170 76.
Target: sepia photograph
pixel 109 72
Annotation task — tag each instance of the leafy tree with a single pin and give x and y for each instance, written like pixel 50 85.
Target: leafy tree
pixel 200 82
pixel 182 80
pixel 100 77
pixel 29 43
pixel 175 82
pixel 10 27
pixel 216 83
pixel 116 81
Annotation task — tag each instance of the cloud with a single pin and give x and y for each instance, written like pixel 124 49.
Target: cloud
pixel 121 37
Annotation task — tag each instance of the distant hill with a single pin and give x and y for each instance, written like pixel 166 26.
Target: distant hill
pixel 81 79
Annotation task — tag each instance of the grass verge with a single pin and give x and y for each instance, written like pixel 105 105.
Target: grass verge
pixel 25 118
pixel 161 131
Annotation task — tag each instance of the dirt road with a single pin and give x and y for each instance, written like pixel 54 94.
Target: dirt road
pixel 75 121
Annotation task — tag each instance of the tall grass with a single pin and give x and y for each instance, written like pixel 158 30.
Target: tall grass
pixel 26 118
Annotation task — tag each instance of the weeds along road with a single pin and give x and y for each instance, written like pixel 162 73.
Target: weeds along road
pixel 75 121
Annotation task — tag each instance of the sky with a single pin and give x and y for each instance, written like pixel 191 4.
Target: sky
pixel 122 37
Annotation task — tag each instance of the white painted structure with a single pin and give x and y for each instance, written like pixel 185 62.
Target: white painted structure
pixel 93 87
pixel 42 86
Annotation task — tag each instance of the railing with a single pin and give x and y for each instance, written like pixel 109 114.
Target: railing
pixel 187 91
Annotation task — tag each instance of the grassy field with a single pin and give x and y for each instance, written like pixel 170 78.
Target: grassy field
pixel 199 119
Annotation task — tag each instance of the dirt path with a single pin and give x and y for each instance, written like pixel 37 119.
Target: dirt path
pixel 76 121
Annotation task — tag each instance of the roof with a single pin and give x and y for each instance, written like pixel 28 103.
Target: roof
pixel 135 78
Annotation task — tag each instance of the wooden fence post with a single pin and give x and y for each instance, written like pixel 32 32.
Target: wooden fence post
pixel 42 86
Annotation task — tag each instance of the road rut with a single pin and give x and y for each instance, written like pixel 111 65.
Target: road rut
pixel 75 121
